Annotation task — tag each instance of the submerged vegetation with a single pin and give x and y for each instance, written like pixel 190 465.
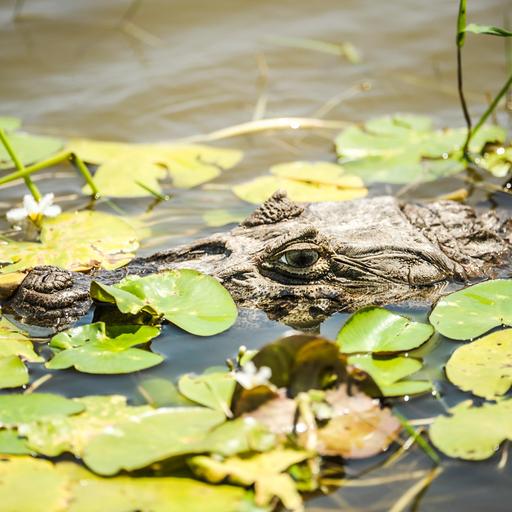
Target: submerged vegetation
pixel 272 426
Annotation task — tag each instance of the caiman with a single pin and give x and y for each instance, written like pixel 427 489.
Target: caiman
pixel 302 262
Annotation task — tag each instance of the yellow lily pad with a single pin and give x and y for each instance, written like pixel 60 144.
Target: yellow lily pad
pixel 483 367
pixel 75 241
pixel 260 189
pixel 129 170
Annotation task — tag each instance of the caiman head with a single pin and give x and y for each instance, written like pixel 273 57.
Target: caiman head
pixel 301 263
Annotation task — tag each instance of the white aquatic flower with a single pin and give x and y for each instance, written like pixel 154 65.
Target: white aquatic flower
pixel 250 377
pixel 34 210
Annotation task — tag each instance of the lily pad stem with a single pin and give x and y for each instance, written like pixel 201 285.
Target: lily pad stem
pixel 19 165
pixel 58 158
pixel 84 171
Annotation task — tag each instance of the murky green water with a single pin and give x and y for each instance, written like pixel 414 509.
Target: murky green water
pixel 163 70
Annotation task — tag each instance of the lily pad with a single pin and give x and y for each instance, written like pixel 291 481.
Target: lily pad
pixel 155 436
pixel 474 310
pixel 13 373
pixel 359 427
pixel 298 188
pixel 317 173
pixel 58 434
pixel 473 433
pixel 403 148
pixel 70 487
pixel 12 444
pixel 95 349
pixel 214 390
pixel 123 168
pixel 390 374
pixel 9 123
pixel 222 217
pixel 193 301
pixel 29 149
pixel 483 367
pixel 91 240
pixel 378 330
pixel 18 409
pixel 14 348
pixel 266 471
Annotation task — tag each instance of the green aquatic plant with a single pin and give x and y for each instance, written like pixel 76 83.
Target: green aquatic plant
pixel 95 348
pixel 474 310
pixel 462 30
pixel 471 432
pixel 405 148
pixel 195 302
pixel 15 348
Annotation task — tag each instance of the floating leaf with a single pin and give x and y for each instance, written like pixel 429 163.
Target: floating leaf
pixel 28 148
pixel 214 390
pixel 390 374
pixel 47 487
pixel 67 486
pixel 58 434
pixel 474 310
pixel 359 427
pixel 9 124
pixel 266 471
pixel 91 239
pixel 483 367
pixel 378 330
pixel 404 148
pixel 153 437
pixel 160 392
pixel 222 217
pixel 94 349
pixel 260 189
pixel 123 166
pixel 11 444
pixel 13 373
pixel 317 173
pixel 17 409
pixel 193 301
pixel 473 433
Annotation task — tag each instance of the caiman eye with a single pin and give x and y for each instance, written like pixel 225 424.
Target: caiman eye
pixel 300 258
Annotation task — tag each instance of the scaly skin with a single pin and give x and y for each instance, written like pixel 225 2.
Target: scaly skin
pixel 301 263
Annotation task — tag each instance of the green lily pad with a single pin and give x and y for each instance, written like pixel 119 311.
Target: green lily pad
pixel 474 310
pixel 123 168
pixel 159 392
pixel 92 239
pixel 13 373
pixel 12 444
pixel 9 124
pixel 266 471
pixel 55 435
pixel 94 349
pixel 404 148
pixel 391 374
pixel 222 217
pixel 473 433
pixel 214 390
pixel 483 367
pixel 378 330
pixel 29 149
pixel 193 301
pixel 70 487
pixel 153 437
pixel 18 409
